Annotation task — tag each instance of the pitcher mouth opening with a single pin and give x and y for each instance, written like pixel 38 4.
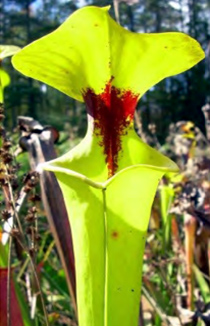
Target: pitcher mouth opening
pixel 52 167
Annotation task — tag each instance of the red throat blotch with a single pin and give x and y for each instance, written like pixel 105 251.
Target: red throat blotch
pixel 112 112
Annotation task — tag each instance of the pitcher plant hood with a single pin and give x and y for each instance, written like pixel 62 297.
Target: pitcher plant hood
pixel 93 59
pixel 109 180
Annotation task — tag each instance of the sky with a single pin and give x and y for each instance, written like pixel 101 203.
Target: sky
pixel 177 5
pixel 38 3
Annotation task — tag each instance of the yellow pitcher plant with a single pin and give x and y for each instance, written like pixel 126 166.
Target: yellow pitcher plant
pixel 109 180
